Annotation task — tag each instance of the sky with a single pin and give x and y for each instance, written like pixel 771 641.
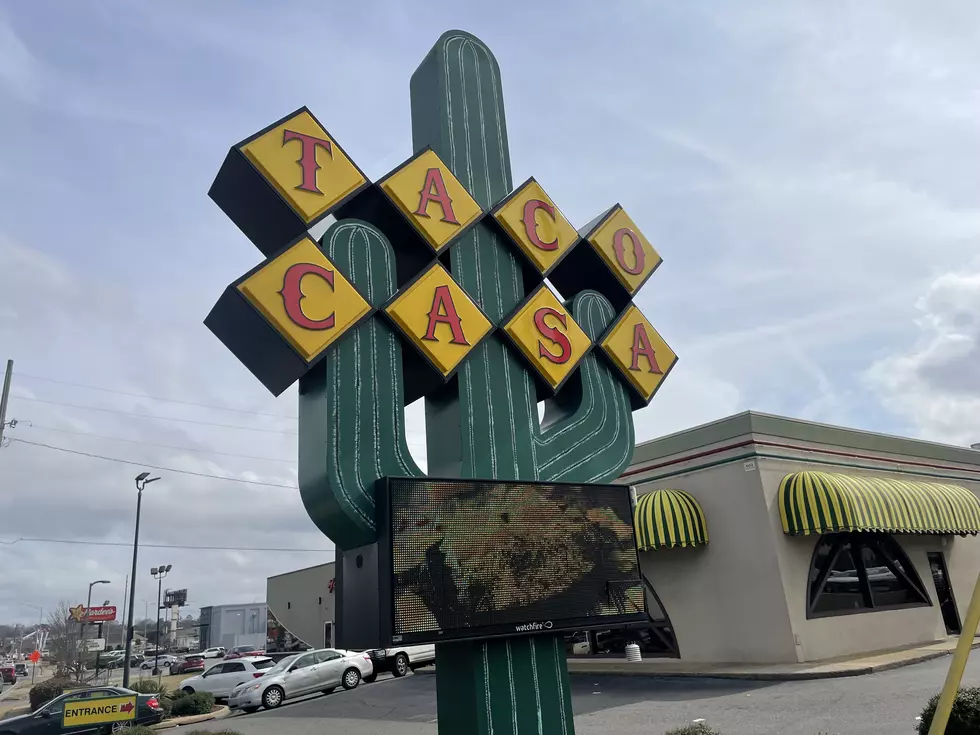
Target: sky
pixel 807 171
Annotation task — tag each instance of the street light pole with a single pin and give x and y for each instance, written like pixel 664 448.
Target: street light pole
pixel 141 481
pixel 158 574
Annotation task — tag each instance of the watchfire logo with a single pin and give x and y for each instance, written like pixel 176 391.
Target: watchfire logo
pixel 547 625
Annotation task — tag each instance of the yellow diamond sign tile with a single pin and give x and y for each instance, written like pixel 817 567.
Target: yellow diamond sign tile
pixel 639 352
pixel 548 337
pixel 432 199
pixel 623 248
pixel 303 295
pixel 305 165
pixel 536 225
pixel 437 316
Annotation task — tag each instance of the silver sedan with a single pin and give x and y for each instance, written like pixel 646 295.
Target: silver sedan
pixel 305 673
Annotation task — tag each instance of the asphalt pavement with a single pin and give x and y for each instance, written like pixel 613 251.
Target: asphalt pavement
pixel 885 703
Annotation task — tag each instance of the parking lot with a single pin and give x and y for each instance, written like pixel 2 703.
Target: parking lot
pixel 885 703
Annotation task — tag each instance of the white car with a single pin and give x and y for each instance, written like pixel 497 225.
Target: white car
pixel 399 661
pixel 305 673
pixel 163 661
pixel 216 652
pixel 222 678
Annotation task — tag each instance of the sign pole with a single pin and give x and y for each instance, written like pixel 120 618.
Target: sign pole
pixel 957 665
pixel 4 393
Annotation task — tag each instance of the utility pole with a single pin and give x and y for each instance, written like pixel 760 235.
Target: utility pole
pixel 122 637
pixel 3 397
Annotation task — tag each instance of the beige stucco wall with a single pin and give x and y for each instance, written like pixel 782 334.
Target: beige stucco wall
pixel 725 600
pixel 828 637
pixel 302 602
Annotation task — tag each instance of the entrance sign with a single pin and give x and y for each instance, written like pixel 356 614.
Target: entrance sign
pixel 432 283
pixel 98 711
pixel 92 644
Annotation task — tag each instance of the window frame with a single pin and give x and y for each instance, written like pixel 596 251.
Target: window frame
pixel 883 545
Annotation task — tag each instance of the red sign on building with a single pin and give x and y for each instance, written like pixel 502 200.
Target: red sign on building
pixel 99 614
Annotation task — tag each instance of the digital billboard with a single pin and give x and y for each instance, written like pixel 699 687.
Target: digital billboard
pixel 477 559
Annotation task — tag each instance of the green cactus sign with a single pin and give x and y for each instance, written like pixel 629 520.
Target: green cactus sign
pixel 438 281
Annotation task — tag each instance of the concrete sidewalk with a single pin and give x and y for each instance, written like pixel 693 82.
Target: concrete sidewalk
pixel 826 669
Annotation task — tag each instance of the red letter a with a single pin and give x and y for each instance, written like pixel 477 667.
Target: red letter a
pixel 443 311
pixel 434 190
pixel 642 346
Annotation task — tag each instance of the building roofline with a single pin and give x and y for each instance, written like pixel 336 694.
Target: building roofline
pixel 304 569
pixel 753 422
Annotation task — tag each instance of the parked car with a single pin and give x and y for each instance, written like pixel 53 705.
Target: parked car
pixel 21 669
pixel 46 719
pixel 216 652
pixel 399 661
pixel 163 661
pixel 8 673
pixel 240 651
pixel 187 664
pixel 221 679
pixel 304 673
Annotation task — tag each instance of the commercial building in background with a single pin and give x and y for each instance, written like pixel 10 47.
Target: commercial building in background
pixel 301 609
pixel 233 625
pixel 823 542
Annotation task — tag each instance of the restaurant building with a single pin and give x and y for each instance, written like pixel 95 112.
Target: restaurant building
pixel 766 539
pixel 301 609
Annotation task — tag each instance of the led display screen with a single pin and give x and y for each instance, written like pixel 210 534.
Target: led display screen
pixel 475 559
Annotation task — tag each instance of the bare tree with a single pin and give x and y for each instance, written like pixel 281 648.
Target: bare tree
pixel 64 636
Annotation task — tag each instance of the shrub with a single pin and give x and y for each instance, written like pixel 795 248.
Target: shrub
pixel 963 720
pixel 45 692
pixel 199 703
pixel 140 730
pixel 148 686
pixel 177 694
pixel 696 728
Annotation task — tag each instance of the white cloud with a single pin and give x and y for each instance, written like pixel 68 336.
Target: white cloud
pixel 935 383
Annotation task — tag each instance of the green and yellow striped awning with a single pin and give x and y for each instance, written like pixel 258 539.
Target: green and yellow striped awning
pixel 821 502
pixel 666 518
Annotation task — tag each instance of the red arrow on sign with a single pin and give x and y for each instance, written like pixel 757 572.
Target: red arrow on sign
pixel 128 707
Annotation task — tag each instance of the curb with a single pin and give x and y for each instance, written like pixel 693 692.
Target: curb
pixel 623 669
pixel 218 714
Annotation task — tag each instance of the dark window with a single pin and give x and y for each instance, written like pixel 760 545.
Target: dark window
pixel 319 600
pixel 264 664
pixel 229 668
pixel 289 605
pixel 656 639
pixel 858 572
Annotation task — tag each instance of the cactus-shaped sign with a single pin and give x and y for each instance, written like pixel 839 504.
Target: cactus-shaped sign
pixel 439 281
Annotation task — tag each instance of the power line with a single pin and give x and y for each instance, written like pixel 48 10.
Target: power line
pixel 154 444
pixel 150 466
pixel 153 398
pixel 152 416
pixel 155 546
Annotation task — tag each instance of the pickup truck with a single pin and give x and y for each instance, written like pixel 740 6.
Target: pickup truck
pixel 399 661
